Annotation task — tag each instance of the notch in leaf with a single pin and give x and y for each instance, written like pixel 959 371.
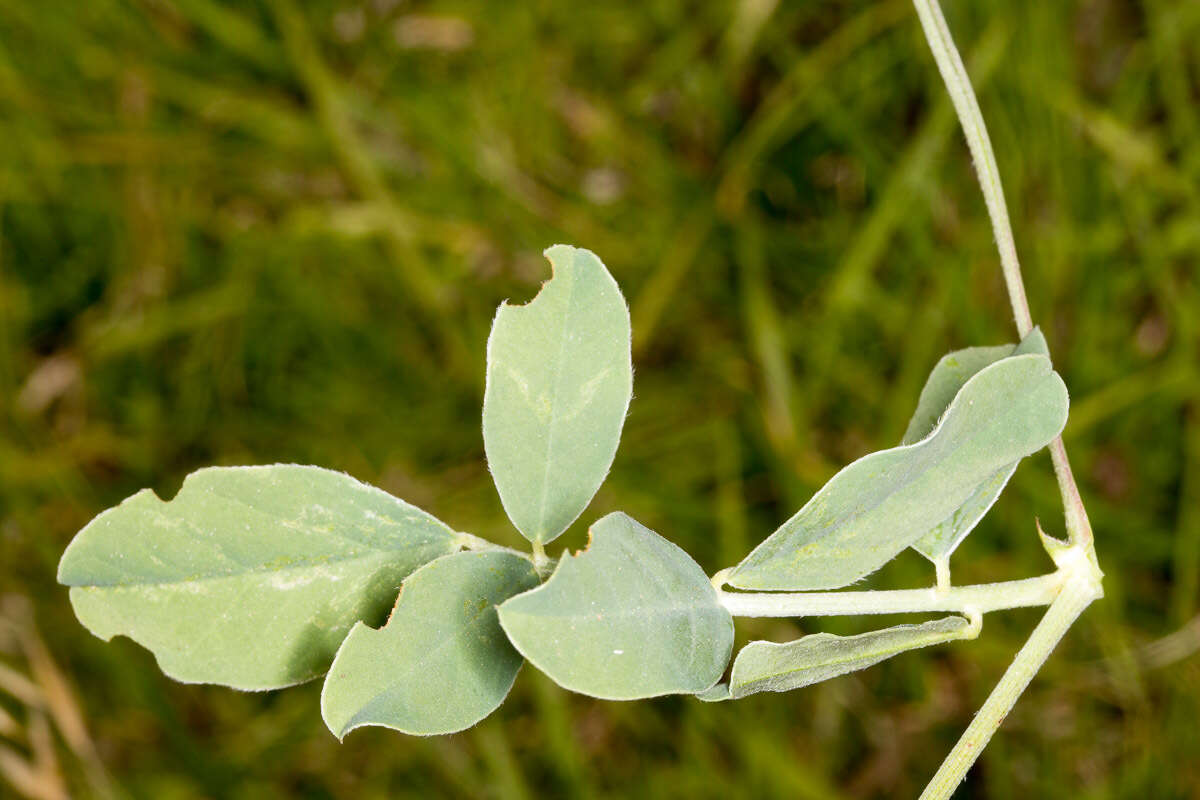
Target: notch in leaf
pixel 251 576
pixel 559 381
pixel 441 664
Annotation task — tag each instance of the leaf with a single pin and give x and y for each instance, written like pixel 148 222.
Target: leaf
pixel 251 576
pixel 441 663
pixel 944 383
pixel 771 667
pixel 885 501
pixel 630 617
pixel 945 537
pixel 715 694
pixel 559 380
pixel 955 369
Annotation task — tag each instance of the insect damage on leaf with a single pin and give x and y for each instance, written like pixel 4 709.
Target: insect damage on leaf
pixel 559 382
pixel 250 576
pixel 441 663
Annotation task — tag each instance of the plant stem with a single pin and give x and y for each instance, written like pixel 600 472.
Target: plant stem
pixel 1079 527
pixel 1040 591
pixel 1077 593
pixel 542 562
pixel 941 567
pixel 1083 586
pixel 469 541
pixel 963 97
pixel 958 84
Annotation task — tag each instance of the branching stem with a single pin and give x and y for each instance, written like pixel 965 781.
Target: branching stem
pixel 1083 583
pixel 1077 593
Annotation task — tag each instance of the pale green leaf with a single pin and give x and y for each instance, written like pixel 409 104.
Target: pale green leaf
pixel 885 501
pixel 442 663
pixel 559 380
pixel 771 667
pixel 630 617
pixel 955 369
pixel 715 694
pixel 251 576
pixel 944 383
pixel 945 537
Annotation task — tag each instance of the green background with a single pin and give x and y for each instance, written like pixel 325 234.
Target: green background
pixel 272 232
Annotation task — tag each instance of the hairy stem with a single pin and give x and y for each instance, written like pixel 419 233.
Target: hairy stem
pixel 468 541
pixel 1075 596
pixel 958 84
pixel 1040 591
pixel 963 97
pixel 542 562
pixel 1084 584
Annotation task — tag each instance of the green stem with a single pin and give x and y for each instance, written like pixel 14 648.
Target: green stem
pixel 1079 591
pixel 468 541
pixel 963 97
pixel 980 598
pixel 1084 584
pixel 542 562
pixel 958 84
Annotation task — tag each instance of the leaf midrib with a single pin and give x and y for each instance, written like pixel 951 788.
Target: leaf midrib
pixel 253 571
pixel 543 533
pixel 930 638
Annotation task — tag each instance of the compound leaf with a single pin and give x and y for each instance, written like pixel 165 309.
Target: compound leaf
pixel 559 380
pixel 441 663
pixel 251 576
pixel 630 617
pixel 947 378
pixel 771 667
pixel 885 501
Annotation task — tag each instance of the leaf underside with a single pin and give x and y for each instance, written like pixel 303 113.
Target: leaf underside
pixel 251 576
pixel 947 378
pixel 442 663
pixel 559 381
pixel 771 667
pixel 875 507
pixel 630 617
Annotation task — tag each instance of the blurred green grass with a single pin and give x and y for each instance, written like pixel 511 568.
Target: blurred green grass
pixel 272 231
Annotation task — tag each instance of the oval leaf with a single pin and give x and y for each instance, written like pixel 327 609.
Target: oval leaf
pixel 559 379
pixel 885 501
pixel 944 383
pixel 771 667
pixel 630 617
pixel 441 664
pixel 251 576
